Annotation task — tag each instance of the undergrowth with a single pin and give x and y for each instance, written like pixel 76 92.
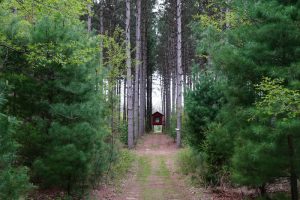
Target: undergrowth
pixel 191 164
pixel 121 167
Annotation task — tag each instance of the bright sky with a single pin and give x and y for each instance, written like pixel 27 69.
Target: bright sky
pixel 158 5
pixel 156 93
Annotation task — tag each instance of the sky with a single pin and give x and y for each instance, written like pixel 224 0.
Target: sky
pixel 156 93
pixel 158 5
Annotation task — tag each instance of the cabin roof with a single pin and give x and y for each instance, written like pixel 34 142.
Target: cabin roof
pixel 157 113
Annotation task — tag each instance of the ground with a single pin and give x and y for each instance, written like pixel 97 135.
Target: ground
pixel 154 176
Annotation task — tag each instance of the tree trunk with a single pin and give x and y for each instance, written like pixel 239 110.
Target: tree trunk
pixel 168 104
pixel 119 102
pixel 174 91
pixel 129 80
pixel 124 102
pixel 293 175
pixel 101 47
pixel 149 99
pixel 263 190
pixel 162 94
pixel 89 21
pixel 179 74
pixel 112 100
pixel 143 72
pixel 142 102
pixel 137 68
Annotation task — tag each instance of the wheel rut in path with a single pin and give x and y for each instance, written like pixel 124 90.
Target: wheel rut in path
pixel 154 176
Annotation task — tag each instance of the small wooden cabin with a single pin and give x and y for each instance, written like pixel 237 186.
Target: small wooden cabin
pixel 158 119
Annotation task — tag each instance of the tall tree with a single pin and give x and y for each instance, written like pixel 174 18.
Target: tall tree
pixel 129 79
pixel 179 73
pixel 14 179
pixel 89 19
pixel 100 70
pixel 137 68
pixel 143 69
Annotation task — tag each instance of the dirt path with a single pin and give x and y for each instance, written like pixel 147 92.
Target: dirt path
pixel 155 177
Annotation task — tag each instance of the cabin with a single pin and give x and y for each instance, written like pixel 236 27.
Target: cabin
pixel 158 119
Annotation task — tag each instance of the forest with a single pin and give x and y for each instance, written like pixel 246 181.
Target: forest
pixel 149 99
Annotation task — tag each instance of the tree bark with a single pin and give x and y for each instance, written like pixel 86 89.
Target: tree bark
pixel 143 72
pixel 119 102
pixel 129 80
pixel 149 98
pixel 149 71
pixel 89 21
pixel 174 86
pixel 137 68
pixel 124 102
pixel 179 74
pixel 101 46
pixel 168 104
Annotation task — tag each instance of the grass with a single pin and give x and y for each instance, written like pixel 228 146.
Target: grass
pixel 163 169
pixel 144 171
pixel 144 168
pixel 192 166
pixel 163 174
pixel 186 161
pixel 121 167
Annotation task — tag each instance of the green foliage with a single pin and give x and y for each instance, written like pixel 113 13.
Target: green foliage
pixel 123 132
pixel 122 165
pixel 202 106
pixel 217 150
pixel 74 123
pixel 186 162
pixel 248 134
pixel 33 10
pixel 265 144
pixel 278 101
pixel 205 135
pixel 63 131
pixel 57 84
pixel 14 179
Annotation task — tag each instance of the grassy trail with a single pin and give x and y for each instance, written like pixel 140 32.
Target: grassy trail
pixel 154 176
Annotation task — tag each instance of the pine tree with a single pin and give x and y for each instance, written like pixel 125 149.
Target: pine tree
pixel 179 73
pixel 129 80
pixel 202 107
pixel 63 131
pixel 244 53
pixel 271 140
pixel 14 180
pixel 73 118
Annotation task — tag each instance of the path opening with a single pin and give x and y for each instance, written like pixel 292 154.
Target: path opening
pixel 155 175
